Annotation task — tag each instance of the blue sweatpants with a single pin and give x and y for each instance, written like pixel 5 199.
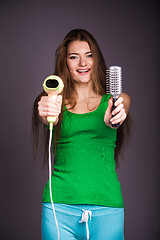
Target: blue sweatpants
pixel 104 223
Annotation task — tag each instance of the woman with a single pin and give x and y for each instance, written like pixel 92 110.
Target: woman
pixel 84 181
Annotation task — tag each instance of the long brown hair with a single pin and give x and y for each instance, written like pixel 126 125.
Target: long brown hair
pixel 99 87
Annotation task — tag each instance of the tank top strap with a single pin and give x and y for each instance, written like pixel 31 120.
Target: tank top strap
pixel 104 102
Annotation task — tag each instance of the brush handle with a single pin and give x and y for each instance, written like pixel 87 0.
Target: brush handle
pixel 113 107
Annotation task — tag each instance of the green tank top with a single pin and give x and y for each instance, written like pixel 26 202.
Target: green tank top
pixel 84 169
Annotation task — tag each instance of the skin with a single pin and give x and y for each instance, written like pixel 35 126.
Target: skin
pixel 80 64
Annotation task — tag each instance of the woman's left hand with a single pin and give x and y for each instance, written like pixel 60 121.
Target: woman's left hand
pixel 118 115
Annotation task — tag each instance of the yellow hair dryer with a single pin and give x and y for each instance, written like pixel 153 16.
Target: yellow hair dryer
pixel 53 85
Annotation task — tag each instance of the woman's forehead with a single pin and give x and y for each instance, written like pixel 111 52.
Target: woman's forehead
pixel 78 47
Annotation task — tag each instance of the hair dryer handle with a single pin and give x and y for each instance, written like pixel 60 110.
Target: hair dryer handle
pixel 52 119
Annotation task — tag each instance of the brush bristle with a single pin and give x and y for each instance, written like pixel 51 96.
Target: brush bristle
pixel 114 81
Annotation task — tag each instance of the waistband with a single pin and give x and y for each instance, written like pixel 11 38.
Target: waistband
pixel 76 209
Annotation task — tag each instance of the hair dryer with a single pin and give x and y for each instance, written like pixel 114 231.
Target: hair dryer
pixel 53 85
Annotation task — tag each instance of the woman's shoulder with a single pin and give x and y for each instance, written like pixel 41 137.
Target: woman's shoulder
pixel 106 97
pixel 104 100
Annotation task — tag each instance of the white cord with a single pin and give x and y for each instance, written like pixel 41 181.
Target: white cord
pixel 50 174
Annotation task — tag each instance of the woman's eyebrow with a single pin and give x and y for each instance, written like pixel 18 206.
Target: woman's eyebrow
pixel 78 53
pixel 73 54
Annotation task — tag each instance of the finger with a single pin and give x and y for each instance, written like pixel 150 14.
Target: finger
pixel 52 114
pixel 48 111
pixel 49 103
pixel 46 100
pixel 109 108
pixel 110 104
pixel 118 101
pixel 59 99
pixel 118 115
pixel 118 109
pixel 108 113
pixel 119 118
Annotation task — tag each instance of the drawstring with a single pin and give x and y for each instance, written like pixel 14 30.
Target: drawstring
pixel 85 219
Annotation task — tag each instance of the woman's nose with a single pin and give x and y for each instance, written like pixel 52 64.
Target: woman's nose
pixel 82 61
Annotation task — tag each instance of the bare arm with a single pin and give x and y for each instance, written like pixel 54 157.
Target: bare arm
pixel 126 101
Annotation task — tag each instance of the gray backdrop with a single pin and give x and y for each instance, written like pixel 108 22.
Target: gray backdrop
pixel 29 35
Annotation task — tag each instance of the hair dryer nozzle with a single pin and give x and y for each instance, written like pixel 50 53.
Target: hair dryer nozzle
pixel 53 85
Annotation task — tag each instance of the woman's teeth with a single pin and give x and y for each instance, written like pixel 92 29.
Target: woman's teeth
pixel 83 71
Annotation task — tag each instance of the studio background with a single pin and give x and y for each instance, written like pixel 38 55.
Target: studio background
pixel 30 32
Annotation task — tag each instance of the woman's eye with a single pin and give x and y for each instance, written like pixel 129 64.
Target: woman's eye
pixel 89 55
pixel 73 57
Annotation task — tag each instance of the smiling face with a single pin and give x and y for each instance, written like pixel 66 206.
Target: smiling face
pixel 80 61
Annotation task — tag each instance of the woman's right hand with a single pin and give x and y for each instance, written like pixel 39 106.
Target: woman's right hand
pixel 49 107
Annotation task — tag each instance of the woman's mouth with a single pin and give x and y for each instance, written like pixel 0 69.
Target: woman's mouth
pixel 82 71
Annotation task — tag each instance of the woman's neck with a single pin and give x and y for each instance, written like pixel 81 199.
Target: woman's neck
pixel 84 91
pixel 85 99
